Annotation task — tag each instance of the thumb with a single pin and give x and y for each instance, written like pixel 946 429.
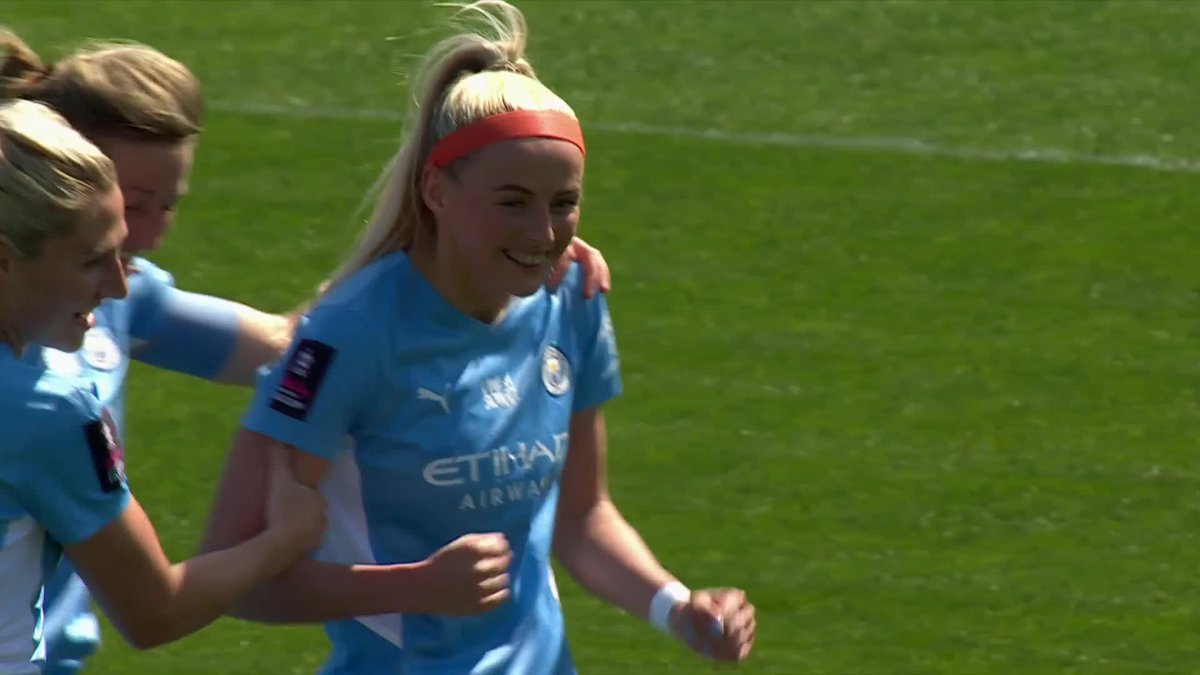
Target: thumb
pixel 704 623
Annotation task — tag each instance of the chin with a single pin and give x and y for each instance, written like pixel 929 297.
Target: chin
pixel 525 290
pixel 525 287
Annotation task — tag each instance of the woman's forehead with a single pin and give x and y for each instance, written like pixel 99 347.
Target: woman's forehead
pixel 539 160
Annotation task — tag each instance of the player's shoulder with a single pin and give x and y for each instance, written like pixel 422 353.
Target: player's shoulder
pixel 366 284
pixel 571 287
pixel 37 400
pixel 366 297
pixel 142 271
pixel 575 307
pixel 148 285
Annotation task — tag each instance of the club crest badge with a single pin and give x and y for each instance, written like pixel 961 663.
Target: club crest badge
pixel 100 350
pixel 556 371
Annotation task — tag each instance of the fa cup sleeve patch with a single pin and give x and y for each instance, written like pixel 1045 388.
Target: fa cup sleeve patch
pixel 108 457
pixel 302 379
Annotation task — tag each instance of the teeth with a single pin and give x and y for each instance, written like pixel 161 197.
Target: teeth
pixel 525 259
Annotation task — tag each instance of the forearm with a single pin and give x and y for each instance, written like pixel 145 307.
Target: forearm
pixel 609 558
pixel 196 592
pixel 309 591
pixel 262 338
pixel 312 591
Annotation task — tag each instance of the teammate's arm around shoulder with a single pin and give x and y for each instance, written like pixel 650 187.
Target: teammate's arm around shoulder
pixel 596 274
pixel 202 335
pixel 262 337
pixel 153 602
pixel 608 557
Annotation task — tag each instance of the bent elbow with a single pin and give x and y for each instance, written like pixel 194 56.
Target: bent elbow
pixel 147 633
pixel 143 639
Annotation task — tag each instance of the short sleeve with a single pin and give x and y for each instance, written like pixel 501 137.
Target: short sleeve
pixel 185 332
pixel 599 374
pixel 176 330
pixel 75 480
pixel 318 392
pixel 148 287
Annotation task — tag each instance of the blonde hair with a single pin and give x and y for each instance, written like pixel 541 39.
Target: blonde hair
pixel 128 90
pixel 463 79
pixel 49 175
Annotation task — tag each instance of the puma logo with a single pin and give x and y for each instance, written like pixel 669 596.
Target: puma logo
pixel 424 394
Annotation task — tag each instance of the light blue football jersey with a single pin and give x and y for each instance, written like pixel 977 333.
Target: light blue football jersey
pixel 456 427
pixel 61 481
pixel 155 323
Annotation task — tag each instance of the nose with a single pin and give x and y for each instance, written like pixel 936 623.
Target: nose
pixel 114 284
pixel 541 226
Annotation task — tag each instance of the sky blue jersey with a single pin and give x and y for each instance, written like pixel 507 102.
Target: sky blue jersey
pixel 62 480
pixel 438 425
pixel 155 323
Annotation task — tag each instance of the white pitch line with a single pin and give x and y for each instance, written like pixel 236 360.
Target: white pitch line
pixel 900 146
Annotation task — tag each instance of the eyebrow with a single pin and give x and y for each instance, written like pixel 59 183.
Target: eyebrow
pixel 182 192
pixel 513 187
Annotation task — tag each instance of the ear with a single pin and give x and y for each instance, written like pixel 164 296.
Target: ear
pixel 433 189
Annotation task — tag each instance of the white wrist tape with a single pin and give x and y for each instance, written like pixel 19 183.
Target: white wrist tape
pixel 664 600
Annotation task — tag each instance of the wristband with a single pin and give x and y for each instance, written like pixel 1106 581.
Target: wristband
pixel 664 600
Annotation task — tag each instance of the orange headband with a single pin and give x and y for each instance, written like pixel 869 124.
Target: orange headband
pixel 506 127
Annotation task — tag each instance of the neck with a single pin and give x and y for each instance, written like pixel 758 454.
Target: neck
pixel 451 280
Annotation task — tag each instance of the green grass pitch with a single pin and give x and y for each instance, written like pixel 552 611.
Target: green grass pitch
pixel 935 406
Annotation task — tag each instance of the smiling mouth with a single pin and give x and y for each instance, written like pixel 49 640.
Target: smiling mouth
pixel 526 260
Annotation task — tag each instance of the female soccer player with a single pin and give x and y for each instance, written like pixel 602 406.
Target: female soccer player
pixel 144 110
pixel 62 481
pixel 472 397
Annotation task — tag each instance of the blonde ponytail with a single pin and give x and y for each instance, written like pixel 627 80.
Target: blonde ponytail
pixel 465 78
